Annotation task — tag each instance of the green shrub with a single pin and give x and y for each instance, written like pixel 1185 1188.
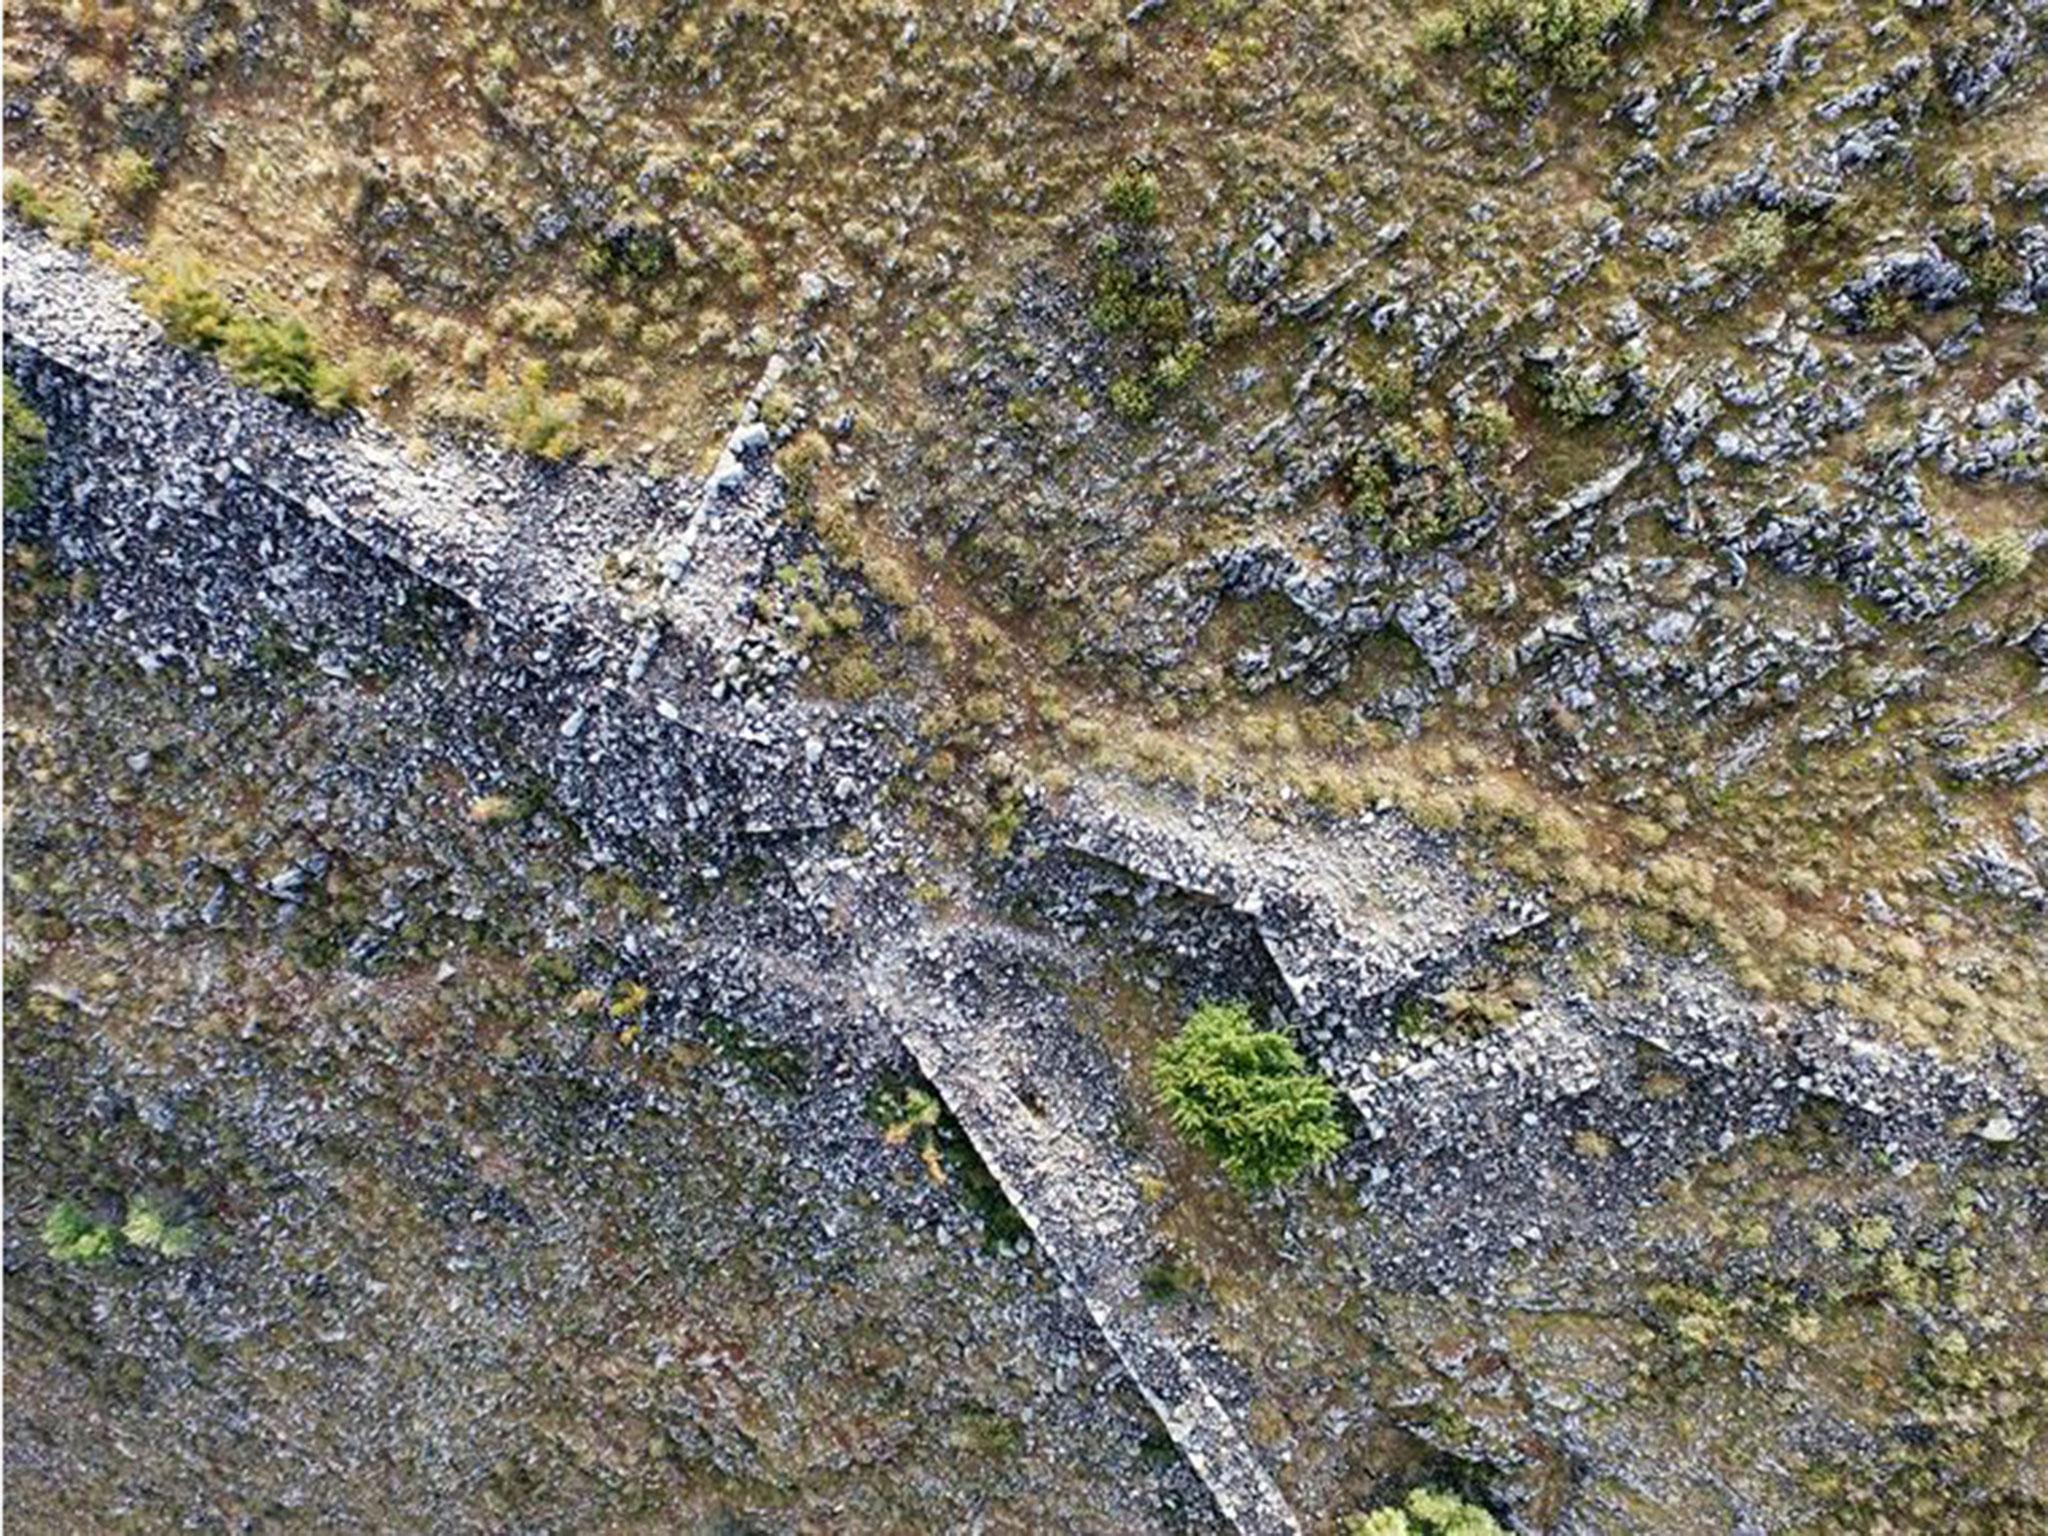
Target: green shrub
pixel 24 449
pixel 1578 392
pixel 631 251
pixel 188 307
pixel 1173 371
pixel 910 1114
pixel 1409 494
pixel 1132 297
pixel 1425 1512
pixel 2001 557
pixel 1132 196
pixel 1568 39
pixel 68 221
pixel 1131 397
pixel 147 1228
pixel 538 422
pixel 1246 1097
pixel 131 176
pixel 75 1238
pixel 278 356
pixel 1757 245
pixel 1490 426
pixel 25 202
pixel 275 354
pixel 1168 1281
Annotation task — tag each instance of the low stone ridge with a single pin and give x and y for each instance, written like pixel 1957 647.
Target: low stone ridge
pixel 674 736
pixel 1467 1155
pixel 666 659
pixel 1354 917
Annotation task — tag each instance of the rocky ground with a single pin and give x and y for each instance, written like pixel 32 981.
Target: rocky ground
pixel 373 842
pixel 821 576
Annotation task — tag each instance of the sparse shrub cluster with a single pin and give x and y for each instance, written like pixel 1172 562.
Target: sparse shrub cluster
pixel 131 175
pixel 25 446
pixel 1131 397
pixel 1425 1512
pixel 67 220
pixel 911 1114
pixel 631 251
pixel 1132 196
pixel 273 353
pixel 538 420
pixel 277 356
pixel 2001 557
pixel 1569 40
pixel 1577 391
pixel 1136 301
pixel 1409 495
pixel 1245 1096
pixel 1757 245
pixel 73 1235
pixel 1133 296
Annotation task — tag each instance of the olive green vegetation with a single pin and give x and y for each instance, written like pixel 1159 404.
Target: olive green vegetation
pixel 537 420
pixel 1425 1512
pixel 24 447
pixel 71 1235
pixel 2005 556
pixel 1245 1096
pixel 260 349
pixel 911 1114
pixel 65 218
pixel 1568 40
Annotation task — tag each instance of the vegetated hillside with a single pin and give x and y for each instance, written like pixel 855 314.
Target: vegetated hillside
pixel 1614 429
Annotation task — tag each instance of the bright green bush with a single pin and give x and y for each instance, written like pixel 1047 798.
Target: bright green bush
pixel 24 449
pixel 1132 196
pixel 631 251
pixel 1246 1097
pixel 75 1238
pixel 147 1227
pixel 1425 1512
